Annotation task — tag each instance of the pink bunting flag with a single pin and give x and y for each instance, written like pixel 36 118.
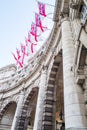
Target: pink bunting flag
pixel 17 60
pixel 33 31
pixel 32 47
pixel 18 53
pixel 26 41
pixel 39 22
pixel 30 44
pixel 23 49
pixel 42 9
pixel 24 53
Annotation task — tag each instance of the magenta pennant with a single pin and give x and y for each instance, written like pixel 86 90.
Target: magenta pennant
pixel 17 60
pixel 33 31
pixel 28 42
pixel 33 36
pixel 23 56
pixel 24 53
pixel 42 9
pixel 32 47
pixel 29 37
pixel 18 53
pixel 23 49
pixel 39 22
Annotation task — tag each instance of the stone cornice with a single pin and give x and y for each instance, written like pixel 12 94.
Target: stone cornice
pixel 61 7
pixel 34 65
pixel 8 67
pixel 31 72
pixel 57 10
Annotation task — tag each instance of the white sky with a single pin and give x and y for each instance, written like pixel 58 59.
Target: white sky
pixel 16 17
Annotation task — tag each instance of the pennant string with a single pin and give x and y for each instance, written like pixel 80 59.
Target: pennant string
pixel 34 32
pixel 46 3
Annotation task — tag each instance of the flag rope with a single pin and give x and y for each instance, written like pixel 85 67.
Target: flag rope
pixel 46 3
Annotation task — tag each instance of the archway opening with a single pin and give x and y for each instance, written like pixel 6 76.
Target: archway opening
pixel 59 114
pixel 32 110
pixel 7 116
pixel 26 120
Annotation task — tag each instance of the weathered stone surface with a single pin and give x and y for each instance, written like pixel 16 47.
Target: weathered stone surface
pixel 58 70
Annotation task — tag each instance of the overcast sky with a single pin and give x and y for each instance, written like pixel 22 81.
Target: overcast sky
pixel 16 17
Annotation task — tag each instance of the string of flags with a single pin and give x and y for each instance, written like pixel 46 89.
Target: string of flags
pixel 31 41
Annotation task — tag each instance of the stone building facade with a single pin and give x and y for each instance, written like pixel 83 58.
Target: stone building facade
pixel 50 93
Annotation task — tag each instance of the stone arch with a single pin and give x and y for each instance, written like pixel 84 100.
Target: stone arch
pixel 82 51
pixel 30 90
pixel 81 71
pixel 28 106
pixel 7 115
pixel 59 116
pixel 52 108
pixel 80 63
pixel 8 101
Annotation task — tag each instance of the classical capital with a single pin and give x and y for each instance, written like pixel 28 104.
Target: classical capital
pixel 74 5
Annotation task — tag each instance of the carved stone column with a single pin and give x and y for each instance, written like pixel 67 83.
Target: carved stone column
pixel 18 110
pixel 40 100
pixel 74 107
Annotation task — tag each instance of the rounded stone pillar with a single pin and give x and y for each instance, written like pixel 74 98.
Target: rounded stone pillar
pixel 40 100
pixel 74 107
pixel 18 110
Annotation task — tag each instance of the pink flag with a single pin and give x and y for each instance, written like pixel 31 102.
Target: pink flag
pixel 23 49
pixel 39 22
pixel 42 9
pixel 18 53
pixel 32 47
pixel 29 37
pixel 17 60
pixel 28 42
pixel 23 56
pixel 33 31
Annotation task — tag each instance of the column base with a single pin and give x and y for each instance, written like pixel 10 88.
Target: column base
pixel 76 129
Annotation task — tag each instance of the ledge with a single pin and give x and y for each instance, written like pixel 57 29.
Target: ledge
pixel 80 79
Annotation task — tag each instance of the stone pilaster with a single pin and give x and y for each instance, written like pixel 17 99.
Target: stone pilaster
pixel 74 8
pixel 74 106
pixel 40 100
pixel 18 110
pixel 85 83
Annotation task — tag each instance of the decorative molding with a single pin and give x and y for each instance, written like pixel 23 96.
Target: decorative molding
pixel 80 79
pixel 74 5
